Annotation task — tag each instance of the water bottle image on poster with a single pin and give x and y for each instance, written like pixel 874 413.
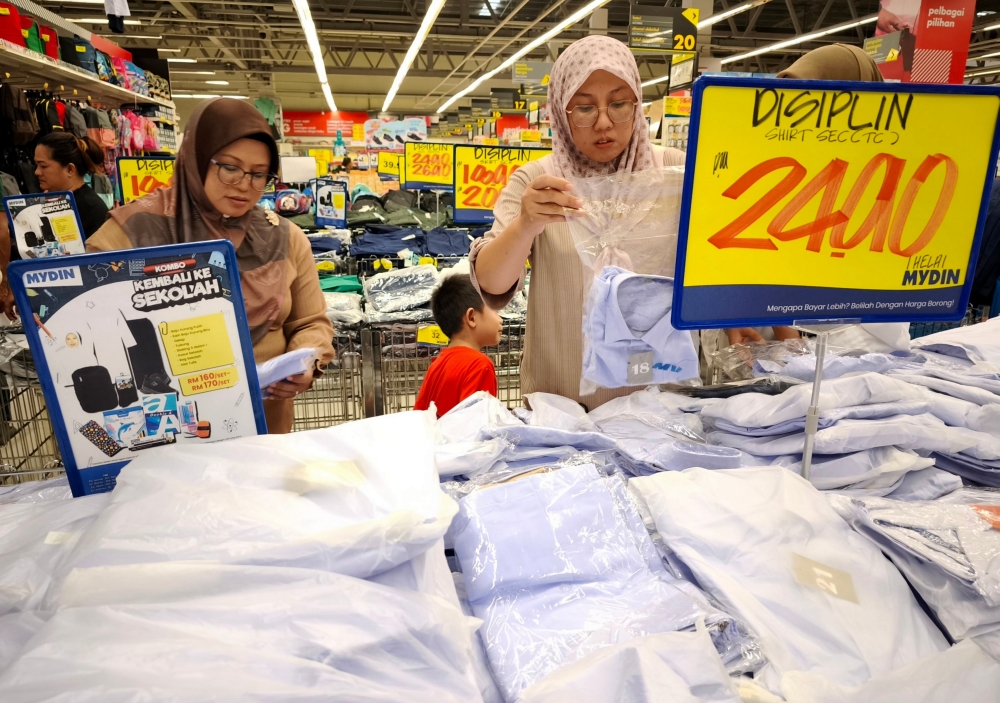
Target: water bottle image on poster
pixel 138 350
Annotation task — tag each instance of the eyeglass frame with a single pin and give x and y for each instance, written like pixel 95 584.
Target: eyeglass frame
pixel 270 176
pixel 606 109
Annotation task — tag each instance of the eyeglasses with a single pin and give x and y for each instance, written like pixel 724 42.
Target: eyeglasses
pixel 586 115
pixel 234 175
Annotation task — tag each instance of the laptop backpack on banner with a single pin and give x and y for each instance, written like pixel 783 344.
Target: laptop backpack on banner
pixel 94 389
pixel 50 41
pixel 145 357
pixel 10 24
pixel 29 31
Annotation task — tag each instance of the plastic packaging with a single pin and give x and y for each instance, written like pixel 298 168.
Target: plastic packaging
pixel 36 491
pixel 401 289
pixel 558 565
pixel 739 361
pixel 341 499
pixel 820 597
pixel 628 225
pixel 36 540
pixel 293 363
pixel 206 632
pixel 344 309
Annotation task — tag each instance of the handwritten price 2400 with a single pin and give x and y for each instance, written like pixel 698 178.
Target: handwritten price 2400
pixel 879 219
pixel 490 182
pixel 432 165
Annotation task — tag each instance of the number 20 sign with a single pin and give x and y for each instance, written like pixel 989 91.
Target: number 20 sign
pixel 481 172
pixel 823 200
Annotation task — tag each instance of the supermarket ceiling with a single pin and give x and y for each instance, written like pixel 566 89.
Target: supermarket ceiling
pixel 259 48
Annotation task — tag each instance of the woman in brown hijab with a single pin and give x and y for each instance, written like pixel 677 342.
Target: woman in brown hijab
pixel 225 161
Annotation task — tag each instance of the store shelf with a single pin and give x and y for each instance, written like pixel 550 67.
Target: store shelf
pixel 31 71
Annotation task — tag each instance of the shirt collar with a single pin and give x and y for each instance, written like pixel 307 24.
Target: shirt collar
pixel 615 329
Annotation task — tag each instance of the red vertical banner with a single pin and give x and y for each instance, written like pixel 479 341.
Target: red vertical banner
pixel 943 33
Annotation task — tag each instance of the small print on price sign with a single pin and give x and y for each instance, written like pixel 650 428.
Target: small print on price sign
pixel 481 172
pixel 428 166
pixel 815 200
pixel 388 165
pixel 139 176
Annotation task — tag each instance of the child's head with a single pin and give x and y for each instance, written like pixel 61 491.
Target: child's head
pixel 460 312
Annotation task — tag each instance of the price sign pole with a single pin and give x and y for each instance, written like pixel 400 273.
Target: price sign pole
pixel 832 203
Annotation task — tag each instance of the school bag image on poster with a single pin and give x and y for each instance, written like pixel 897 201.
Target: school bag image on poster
pixel 145 357
pixel 94 389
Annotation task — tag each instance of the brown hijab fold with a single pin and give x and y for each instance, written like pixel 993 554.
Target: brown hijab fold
pixel 835 62
pixel 183 213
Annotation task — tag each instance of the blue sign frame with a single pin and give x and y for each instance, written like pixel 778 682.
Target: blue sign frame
pixel 424 185
pixel 115 267
pixel 53 195
pixel 690 303
pixel 469 216
pixel 336 184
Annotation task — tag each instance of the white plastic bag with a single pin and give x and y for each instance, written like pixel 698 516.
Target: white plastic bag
pixel 341 499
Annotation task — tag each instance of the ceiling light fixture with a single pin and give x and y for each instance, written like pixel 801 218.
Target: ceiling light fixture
pixel 192 73
pixel 131 36
pixel 312 40
pixel 209 96
pixel 182 60
pixel 719 16
pixel 984 56
pixel 801 39
pixel 657 80
pixel 580 14
pixel 987 29
pixel 217 82
pixel 425 27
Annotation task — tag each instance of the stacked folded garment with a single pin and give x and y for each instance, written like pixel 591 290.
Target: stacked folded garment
pixel 948 549
pixel 768 546
pixel 344 309
pixel 401 289
pixel 558 565
pixel 448 242
pixel 386 241
pixel 974 343
pixel 803 366
pixel 872 430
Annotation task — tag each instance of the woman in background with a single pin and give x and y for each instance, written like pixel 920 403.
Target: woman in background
pixel 227 158
pixel 62 162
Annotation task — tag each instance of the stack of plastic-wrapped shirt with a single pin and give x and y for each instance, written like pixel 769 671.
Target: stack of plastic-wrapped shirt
pixel 401 294
pixel 875 435
pixel 304 567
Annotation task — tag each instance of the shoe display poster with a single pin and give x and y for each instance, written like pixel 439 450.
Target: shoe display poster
pixel 480 173
pixel 139 350
pixel 45 224
pixel 429 166
pixel 331 202
pixel 394 134
pixel 831 202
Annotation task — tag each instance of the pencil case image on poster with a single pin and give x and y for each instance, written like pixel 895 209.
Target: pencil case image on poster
pixel 140 349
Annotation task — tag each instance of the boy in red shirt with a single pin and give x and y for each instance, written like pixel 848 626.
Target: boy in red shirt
pixel 461 369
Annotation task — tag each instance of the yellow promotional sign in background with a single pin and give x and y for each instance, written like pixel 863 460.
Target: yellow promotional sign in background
pixel 481 172
pixel 761 191
pixel 139 176
pixel 428 165
pixel 388 163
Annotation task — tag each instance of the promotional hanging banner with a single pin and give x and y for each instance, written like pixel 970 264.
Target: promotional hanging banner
pixel 481 172
pixel 45 224
pixel 389 165
pixel 428 166
pixel 139 349
pixel 141 175
pixel 821 200
pixel 331 202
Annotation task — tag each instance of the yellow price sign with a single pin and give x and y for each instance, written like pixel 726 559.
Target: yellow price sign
pixel 388 163
pixel 432 334
pixel 531 135
pixel 481 172
pixel 139 176
pixel 428 165
pixel 832 202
